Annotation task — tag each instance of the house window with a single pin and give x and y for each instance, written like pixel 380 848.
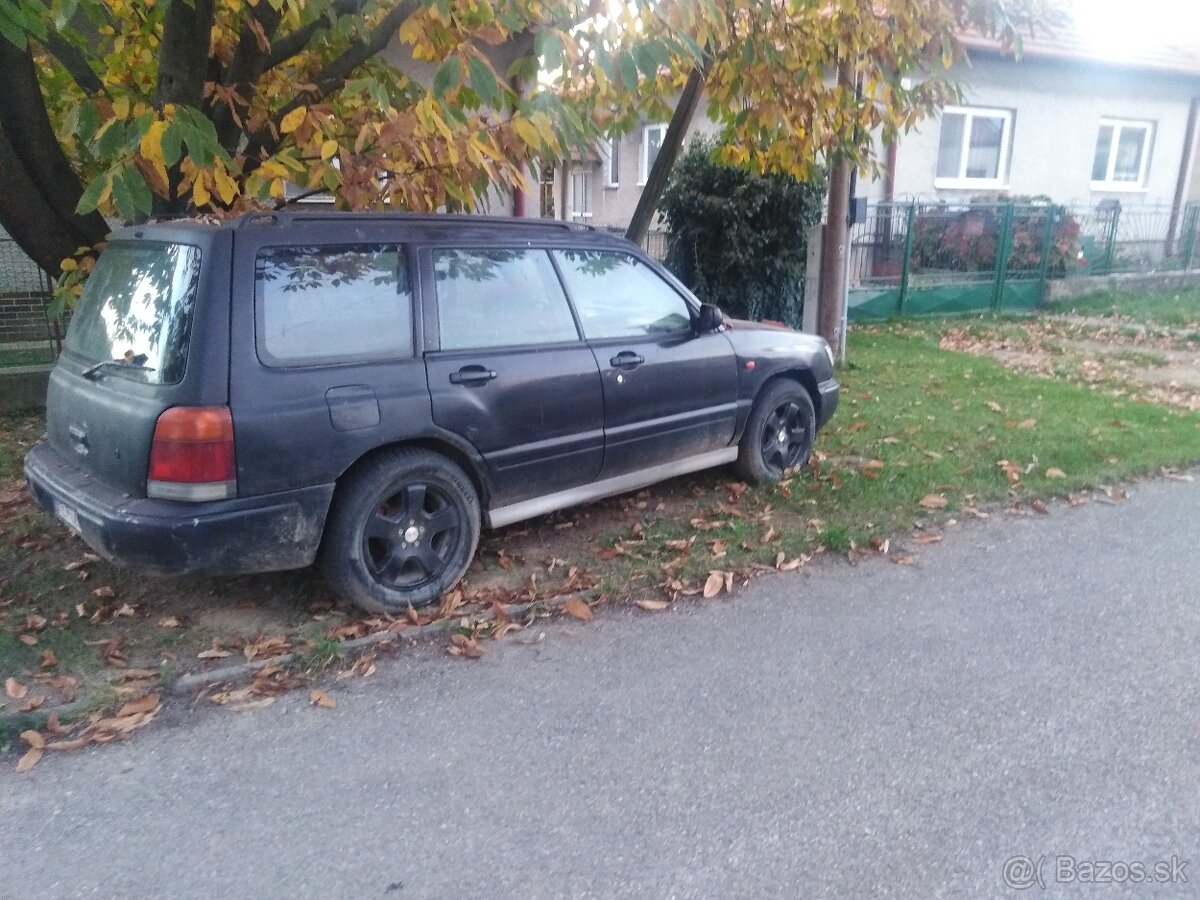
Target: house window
pixel 612 165
pixel 579 195
pixel 1122 155
pixel 652 141
pixel 973 152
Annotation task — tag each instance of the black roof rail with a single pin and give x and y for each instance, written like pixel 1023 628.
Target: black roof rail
pixel 277 218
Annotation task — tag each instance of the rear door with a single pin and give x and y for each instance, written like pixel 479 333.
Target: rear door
pixel 324 361
pixel 149 332
pixel 669 393
pixel 507 369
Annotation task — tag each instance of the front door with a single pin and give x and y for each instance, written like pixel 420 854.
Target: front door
pixel 669 393
pixel 510 373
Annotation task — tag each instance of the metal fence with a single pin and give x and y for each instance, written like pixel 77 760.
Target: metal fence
pixel 926 258
pixel 27 336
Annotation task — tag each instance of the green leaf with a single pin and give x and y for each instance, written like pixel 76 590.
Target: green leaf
pixel 111 140
pixel 548 46
pixel 143 200
pixel 629 75
pixel 483 81
pixel 89 121
pixel 446 77
pixel 123 198
pixel 645 60
pixel 91 196
pixel 172 143
pixel 10 25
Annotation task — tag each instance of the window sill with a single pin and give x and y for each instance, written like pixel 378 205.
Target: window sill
pixel 611 187
pixel 1118 187
pixel 970 184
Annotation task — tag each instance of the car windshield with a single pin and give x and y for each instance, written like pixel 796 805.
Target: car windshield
pixel 136 311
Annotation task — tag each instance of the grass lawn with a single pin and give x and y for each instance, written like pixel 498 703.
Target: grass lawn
pixel 923 434
pixel 1175 309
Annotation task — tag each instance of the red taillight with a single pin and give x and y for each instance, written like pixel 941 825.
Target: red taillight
pixel 191 457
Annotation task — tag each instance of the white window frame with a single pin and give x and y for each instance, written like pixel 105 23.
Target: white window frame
pixel 961 180
pixel 1118 125
pixel 644 161
pixel 576 211
pixel 612 163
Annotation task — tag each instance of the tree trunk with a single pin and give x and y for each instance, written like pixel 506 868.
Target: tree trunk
pixel 656 181
pixel 27 217
pixel 832 295
pixel 39 165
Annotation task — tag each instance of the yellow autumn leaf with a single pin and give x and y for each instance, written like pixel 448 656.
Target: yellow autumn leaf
pixel 121 107
pixel 293 119
pixel 227 188
pixel 151 148
pixel 277 188
pixel 328 149
pixel 200 194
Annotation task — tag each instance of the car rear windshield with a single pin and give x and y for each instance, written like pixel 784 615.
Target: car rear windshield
pixel 136 310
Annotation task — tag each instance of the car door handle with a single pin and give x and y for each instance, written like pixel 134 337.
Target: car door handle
pixel 626 359
pixel 472 376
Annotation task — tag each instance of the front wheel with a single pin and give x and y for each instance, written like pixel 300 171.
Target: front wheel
pixel 779 434
pixel 401 532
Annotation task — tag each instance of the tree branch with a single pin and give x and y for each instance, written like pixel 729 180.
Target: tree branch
pixel 295 41
pixel 248 63
pixel 332 77
pixel 32 142
pixel 72 59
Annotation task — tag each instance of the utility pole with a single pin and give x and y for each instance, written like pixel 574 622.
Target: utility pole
pixel 832 295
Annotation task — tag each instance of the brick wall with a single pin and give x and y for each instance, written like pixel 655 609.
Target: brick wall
pixel 23 317
pixel 24 293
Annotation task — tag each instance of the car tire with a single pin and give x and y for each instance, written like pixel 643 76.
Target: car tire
pixel 402 530
pixel 779 435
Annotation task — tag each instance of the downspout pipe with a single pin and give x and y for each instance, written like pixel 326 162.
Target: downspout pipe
pixel 1185 175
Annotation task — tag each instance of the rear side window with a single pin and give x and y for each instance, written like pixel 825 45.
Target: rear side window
pixel 332 304
pixel 618 296
pixel 136 309
pixel 500 298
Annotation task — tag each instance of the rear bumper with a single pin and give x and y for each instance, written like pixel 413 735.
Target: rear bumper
pixel 228 537
pixel 829 392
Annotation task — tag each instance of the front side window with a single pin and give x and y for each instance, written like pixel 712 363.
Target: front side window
pixel 973 148
pixel 499 298
pixel 616 295
pixel 136 310
pixel 1122 155
pixel 332 304
pixel 652 141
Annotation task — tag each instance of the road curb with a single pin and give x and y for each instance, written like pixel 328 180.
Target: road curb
pixel 194 681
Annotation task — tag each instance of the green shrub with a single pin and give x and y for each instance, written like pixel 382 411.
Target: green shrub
pixel 736 238
pixel 964 240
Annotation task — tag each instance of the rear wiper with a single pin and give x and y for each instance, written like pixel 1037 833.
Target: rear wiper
pixel 91 372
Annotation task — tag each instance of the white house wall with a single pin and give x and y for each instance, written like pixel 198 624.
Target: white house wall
pixel 1058 107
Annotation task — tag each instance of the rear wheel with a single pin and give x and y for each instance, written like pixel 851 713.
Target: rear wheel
pixel 779 434
pixel 402 531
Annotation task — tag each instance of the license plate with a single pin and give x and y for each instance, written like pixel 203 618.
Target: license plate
pixel 67 516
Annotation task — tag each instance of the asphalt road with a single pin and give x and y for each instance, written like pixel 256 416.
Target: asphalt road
pixel 1029 687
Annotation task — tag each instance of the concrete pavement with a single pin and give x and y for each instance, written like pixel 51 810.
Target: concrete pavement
pixel 1028 688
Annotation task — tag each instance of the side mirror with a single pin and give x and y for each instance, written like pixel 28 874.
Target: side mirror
pixel 710 319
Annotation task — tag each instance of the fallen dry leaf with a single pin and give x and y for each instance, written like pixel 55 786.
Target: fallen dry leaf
pixel 927 537
pixel 14 689
pixel 49 659
pixel 466 647
pixel 140 706
pixel 653 605
pixel 31 758
pixel 577 607
pixel 933 501
pixel 170 622
pixel 994 406
pixel 35 622
pixel 28 640
pixel 33 739
pixel 213 654
pixel 901 558
pixel 1039 506
pixel 1055 472
pixel 104 593
pixel 320 698
pixel 713 584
